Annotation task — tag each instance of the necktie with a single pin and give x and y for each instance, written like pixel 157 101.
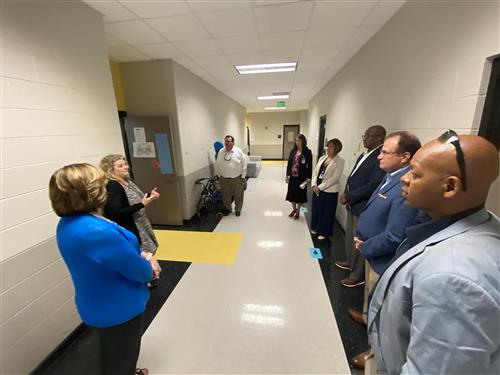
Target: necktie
pixel 386 182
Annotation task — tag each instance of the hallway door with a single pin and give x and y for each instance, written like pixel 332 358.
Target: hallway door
pixel 290 132
pixel 152 160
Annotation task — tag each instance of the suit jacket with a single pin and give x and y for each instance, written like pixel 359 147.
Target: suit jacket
pixel 360 185
pixel 331 178
pixel 383 222
pixel 305 166
pixel 436 309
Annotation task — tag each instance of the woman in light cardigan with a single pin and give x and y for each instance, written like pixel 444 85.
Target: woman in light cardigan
pixel 325 184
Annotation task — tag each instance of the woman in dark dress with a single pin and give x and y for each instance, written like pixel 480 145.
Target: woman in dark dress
pixel 298 174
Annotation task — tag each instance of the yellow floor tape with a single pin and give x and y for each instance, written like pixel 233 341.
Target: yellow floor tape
pixel 274 162
pixel 202 247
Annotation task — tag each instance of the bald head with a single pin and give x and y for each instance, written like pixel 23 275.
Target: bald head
pixel 436 184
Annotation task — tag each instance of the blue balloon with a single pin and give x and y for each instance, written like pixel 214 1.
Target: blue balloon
pixel 218 145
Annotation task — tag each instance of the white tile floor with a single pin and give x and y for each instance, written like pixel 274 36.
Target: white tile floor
pixel 268 313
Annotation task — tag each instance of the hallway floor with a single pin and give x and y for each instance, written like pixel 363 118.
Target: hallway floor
pixel 267 313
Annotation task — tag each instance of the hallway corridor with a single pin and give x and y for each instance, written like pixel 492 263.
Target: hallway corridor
pixel 268 313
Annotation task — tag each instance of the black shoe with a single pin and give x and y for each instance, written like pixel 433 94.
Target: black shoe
pixel 238 213
pixel 225 212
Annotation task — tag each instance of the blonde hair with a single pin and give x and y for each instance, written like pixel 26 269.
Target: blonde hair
pixel 77 188
pixel 107 164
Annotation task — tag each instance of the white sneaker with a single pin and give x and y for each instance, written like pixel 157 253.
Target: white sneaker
pixel 314 232
pixel 320 237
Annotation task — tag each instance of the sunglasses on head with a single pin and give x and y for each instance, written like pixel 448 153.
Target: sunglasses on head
pixel 450 136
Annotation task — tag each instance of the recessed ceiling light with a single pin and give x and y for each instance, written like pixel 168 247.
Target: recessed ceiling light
pixel 266 68
pixel 274 96
pixel 269 108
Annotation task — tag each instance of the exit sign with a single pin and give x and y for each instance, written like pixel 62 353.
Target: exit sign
pixel 280 104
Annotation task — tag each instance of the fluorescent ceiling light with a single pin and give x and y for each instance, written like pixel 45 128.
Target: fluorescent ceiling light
pixel 269 108
pixel 271 97
pixel 266 68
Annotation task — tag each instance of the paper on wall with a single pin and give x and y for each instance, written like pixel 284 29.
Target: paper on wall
pixel 144 150
pixel 139 135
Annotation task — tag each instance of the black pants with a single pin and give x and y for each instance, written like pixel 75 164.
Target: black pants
pixel 120 346
pixel 323 210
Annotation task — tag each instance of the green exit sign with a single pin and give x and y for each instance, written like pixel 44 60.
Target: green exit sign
pixel 280 104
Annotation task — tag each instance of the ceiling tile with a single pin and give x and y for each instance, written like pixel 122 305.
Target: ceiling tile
pixel 150 9
pixel 336 66
pixel 277 56
pixel 320 53
pixel 187 63
pixel 245 58
pixel 204 6
pixel 134 32
pixel 212 61
pixel 382 12
pixel 288 17
pixel 228 79
pixel 313 66
pixel 277 81
pixel 197 71
pixel 202 47
pixel 289 40
pixel 113 41
pixel 347 52
pixel 340 14
pixel 185 27
pixel 159 50
pixel 362 35
pixel 126 53
pixel 337 37
pixel 111 10
pixel 224 71
pixel 259 3
pixel 239 44
pixel 230 23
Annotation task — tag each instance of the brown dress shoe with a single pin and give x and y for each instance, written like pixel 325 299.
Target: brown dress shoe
pixel 350 283
pixel 342 264
pixel 357 317
pixel 359 360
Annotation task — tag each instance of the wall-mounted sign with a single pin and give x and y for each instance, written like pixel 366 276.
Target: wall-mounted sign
pixel 144 150
pixel 280 104
pixel 139 135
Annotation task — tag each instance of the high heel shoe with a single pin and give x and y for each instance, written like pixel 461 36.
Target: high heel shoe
pixel 296 216
pixel 292 214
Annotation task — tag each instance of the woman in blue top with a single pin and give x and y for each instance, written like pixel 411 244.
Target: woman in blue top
pixel 106 265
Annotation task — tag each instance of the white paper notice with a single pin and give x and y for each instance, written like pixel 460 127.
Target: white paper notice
pixel 139 135
pixel 290 137
pixel 144 150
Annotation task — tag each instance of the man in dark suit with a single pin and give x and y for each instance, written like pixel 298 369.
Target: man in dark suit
pixel 385 217
pixel 362 181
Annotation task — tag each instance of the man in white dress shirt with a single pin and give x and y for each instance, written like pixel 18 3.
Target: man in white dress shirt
pixel 231 166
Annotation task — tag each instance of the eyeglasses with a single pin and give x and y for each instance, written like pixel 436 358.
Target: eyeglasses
pixel 385 153
pixel 450 136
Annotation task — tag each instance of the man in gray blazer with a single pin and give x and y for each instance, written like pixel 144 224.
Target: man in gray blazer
pixel 436 309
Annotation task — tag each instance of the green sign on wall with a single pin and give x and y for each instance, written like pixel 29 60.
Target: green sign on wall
pixel 280 104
